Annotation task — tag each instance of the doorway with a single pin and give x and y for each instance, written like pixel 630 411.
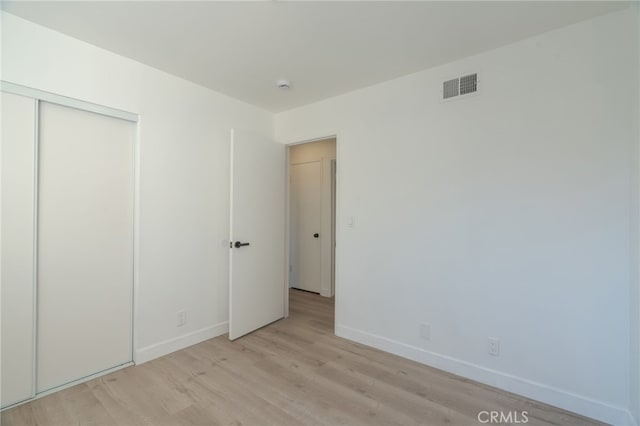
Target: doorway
pixel 259 240
pixel 311 224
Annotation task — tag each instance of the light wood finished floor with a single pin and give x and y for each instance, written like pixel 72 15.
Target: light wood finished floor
pixel 292 372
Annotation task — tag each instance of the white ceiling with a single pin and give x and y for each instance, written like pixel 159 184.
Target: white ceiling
pixel 324 48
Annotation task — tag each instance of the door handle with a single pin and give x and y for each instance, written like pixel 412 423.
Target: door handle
pixel 238 244
pixel 316 235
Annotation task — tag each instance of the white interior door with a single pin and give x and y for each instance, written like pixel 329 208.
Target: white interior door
pixel 18 168
pixel 256 277
pixel 306 220
pixel 85 244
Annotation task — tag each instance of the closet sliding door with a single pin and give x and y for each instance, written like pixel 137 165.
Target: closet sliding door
pixel 18 166
pixel 85 244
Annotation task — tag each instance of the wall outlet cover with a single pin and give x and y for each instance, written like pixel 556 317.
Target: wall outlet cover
pixel 425 331
pixel 494 346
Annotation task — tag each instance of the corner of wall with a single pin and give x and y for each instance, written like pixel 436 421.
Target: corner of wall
pixel 634 408
pixel 634 289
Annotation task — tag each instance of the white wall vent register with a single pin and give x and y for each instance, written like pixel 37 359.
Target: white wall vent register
pixel 459 87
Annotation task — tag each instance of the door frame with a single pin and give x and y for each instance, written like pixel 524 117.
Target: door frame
pixel 336 209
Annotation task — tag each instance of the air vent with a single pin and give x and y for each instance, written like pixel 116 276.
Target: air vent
pixel 468 84
pixel 450 88
pixel 459 87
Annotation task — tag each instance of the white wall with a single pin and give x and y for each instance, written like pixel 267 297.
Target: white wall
pixel 635 266
pixel 505 215
pixel 184 173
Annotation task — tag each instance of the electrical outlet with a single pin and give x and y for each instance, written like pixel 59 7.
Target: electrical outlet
pixel 182 318
pixel 425 331
pixel 494 346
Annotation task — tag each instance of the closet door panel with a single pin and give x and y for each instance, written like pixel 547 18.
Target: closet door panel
pixel 85 244
pixel 17 248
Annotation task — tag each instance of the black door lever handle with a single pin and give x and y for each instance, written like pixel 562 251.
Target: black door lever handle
pixel 316 235
pixel 238 244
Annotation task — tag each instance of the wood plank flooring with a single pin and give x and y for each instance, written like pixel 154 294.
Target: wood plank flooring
pixel 292 372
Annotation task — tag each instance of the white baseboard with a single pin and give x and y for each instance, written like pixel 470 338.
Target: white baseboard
pixel 171 345
pixel 540 392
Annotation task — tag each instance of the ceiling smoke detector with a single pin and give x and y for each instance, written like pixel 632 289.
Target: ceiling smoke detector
pixel 283 84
